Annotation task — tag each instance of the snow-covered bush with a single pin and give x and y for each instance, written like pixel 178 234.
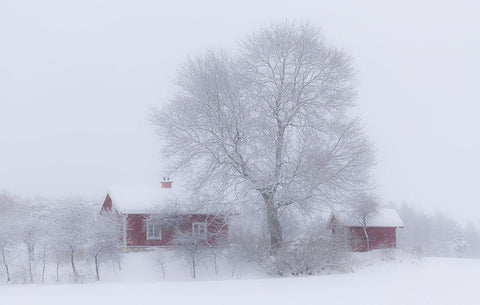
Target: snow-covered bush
pixel 320 251
pixel 309 249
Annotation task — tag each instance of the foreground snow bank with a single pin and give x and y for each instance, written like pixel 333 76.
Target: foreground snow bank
pixel 360 260
pixel 428 281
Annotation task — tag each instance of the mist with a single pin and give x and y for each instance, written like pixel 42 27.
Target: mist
pixel 79 79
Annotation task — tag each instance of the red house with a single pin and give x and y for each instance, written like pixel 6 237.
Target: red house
pixel 151 218
pixel 381 229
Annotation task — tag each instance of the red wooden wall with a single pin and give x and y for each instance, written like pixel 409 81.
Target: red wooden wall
pixel 137 235
pixel 379 238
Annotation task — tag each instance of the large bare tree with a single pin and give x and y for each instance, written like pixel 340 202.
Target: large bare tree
pixel 268 122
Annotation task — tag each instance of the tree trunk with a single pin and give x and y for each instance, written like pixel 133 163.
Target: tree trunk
pixel 30 261
pixel 72 261
pixel 276 238
pixel 194 267
pixel 215 263
pixel 43 272
pixel 366 238
pixel 97 265
pixel 274 228
pixel 6 265
pixel 44 263
pixel 58 266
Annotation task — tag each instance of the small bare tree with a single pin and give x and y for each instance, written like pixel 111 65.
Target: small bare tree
pixel 191 249
pixel 160 256
pixel 42 217
pixel 193 236
pixel 364 207
pixel 72 220
pixel 10 212
pixel 31 231
pixel 105 239
pixel 268 124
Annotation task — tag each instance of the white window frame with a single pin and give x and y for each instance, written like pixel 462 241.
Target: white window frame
pixel 157 226
pixel 197 233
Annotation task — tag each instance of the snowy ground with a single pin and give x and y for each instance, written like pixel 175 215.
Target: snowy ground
pixel 426 281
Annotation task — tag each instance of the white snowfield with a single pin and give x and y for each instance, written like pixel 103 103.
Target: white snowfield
pixel 427 281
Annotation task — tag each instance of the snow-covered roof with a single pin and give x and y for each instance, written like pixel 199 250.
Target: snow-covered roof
pixel 145 199
pixel 140 199
pixel 383 218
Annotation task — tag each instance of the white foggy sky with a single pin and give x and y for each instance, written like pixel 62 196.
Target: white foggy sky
pixel 77 80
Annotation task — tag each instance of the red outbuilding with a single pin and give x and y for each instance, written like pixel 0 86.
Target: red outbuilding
pixel 381 229
pixel 154 216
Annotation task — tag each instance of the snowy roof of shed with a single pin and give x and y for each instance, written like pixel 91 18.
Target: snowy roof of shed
pixel 140 199
pixel 383 218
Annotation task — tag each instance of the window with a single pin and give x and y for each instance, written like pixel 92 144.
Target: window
pixel 199 230
pixel 154 230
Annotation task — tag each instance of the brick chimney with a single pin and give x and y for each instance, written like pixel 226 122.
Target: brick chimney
pixel 166 183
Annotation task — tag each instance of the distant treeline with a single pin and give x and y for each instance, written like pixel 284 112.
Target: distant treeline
pixel 436 235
